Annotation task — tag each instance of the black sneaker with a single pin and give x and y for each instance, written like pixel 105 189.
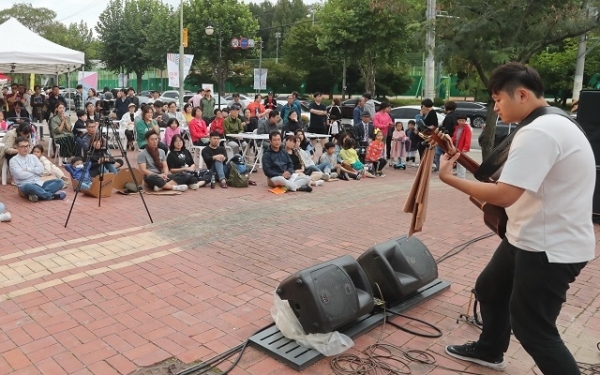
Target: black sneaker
pixel 469 352
pixel 306 188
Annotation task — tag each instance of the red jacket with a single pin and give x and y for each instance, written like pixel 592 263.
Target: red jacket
pixel 217 125
pixel 197 129
pixel 464 143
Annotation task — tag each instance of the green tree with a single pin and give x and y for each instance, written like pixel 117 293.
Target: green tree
pixel 218 13
pixel 37 19
pixel 362 31
pixel 76 36
pixel 493 32
pixel 263 13
pixel 282 78
pixel 285 14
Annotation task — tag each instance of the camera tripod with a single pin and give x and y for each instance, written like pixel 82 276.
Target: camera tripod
pixel 105 122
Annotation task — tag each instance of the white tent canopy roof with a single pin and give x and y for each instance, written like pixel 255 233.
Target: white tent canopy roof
pixel 30 53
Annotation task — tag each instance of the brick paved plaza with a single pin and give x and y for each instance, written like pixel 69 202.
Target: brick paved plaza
pixel 113 293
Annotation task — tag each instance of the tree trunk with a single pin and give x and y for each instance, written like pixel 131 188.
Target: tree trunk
pixel 138 77
pixel 488 135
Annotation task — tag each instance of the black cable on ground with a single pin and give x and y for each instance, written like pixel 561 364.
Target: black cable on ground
pixel 462 247
pixel 207 365
pixel 428 335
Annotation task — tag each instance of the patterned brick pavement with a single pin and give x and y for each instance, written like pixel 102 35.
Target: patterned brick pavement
pixel 112 293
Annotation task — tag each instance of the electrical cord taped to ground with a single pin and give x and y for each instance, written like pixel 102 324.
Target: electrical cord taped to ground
pixel 462 247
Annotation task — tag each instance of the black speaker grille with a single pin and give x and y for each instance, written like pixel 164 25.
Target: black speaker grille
pixel 336 294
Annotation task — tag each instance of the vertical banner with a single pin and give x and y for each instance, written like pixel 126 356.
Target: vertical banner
pixel 173 67
pixel 260 79
pixel 89 80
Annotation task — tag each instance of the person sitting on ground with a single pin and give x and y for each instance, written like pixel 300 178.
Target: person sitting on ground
pixel 216 124
pixel 330 157
pixel 304 143
pixel 350 158
pixel 62 133
pixel 291 147
pixel 83 142
pixel 128 124
pixel 279 169
pixel 4 215
pixel 268 125
pixel 51 171
pixel 10 141
pixel 322 171
pixel 215 158
pixel 27 169
pixel 198 129
pixel 153 165
pixel 146 123
pixel 101 159
pixel 173 128
pixel 80 171
pixel 180 159
pixel 376 153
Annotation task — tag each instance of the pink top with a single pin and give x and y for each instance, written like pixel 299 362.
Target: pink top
pixel 382 121
pixel 169 133
pixel 3 125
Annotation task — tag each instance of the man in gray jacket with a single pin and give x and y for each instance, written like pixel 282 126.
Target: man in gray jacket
pixel 268 125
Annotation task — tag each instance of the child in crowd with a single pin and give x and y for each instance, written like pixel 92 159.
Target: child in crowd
pixel 4 215
pixel 350 158
pixel 399 143
pixel 462 140
pixel 414 139
pixel 331 157
pixel 172 129
pixel 80 173
pixel 51 171
pixel 3 123
pixel 376 154
pixel 217 123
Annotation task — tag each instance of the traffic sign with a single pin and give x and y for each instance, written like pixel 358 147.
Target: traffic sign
pixel 235 43
pixel 250 43
pixel 244 43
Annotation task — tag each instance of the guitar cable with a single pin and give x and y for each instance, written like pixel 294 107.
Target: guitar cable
pixel 452 252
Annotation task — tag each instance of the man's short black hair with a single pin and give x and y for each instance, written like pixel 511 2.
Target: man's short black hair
pixel 24 128
pixel 89 122
pixel 511 76
pixel 367 95
pixel 80 112
pixel 236 95
pixel 427 103
pixel 21 139
pixel 273 113
pixel 316 94
pixel 450 106
pixel 412 122
pixel 214 134
pixel 53 87
pixel 273 135
pixel 80 86
pixel 329 145
pixel 75 159
pixel 216 111
pixel 461 116
pixel 158 103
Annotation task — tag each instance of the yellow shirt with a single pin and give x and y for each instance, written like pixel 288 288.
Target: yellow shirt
pixel 349 156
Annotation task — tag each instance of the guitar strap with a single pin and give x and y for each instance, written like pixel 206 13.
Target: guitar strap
pixel 491 167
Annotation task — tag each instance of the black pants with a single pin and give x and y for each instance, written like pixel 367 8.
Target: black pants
pixel 379 165
pixel 421 149
pixel 181 178
pixel 388 144
pixel 522 290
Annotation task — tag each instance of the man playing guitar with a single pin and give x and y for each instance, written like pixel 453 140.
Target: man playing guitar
pixel 546 186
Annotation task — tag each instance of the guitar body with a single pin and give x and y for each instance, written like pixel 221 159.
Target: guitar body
pixel 493 216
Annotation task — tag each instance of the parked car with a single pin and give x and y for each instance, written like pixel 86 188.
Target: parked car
pixel 406 113
pixel 502 131
pixel 349 105
pixel 146 93
pixel 69 95
pixel 475 111
pixel 244 99
pixel 171 96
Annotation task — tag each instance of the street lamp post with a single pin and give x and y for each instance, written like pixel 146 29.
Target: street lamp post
pixel 209 30
pixel 181 56
pixel 277 37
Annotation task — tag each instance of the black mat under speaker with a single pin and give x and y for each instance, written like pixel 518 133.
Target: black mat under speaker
pixel 400 267
pixel 329 295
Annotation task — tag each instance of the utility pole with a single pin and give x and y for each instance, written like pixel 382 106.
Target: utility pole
pixel 277 37
pixel 181 56
pixel 344 80
pixel 260 46
pixel 580 64
pixel 430 47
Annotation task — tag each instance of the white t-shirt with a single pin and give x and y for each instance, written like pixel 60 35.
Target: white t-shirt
pixel 553 161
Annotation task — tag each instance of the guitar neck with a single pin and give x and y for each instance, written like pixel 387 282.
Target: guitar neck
pixel 464 160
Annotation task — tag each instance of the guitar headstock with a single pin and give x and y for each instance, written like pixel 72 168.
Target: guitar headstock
pixel 437 138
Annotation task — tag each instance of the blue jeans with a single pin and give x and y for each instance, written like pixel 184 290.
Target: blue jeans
pixel 1 208
pixel 436 158
pixel 45 192
pixel 221 170
pixel 109 168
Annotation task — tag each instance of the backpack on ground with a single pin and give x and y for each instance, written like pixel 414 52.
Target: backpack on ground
pixel 238 173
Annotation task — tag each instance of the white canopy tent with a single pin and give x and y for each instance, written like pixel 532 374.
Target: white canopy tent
pixel 30 53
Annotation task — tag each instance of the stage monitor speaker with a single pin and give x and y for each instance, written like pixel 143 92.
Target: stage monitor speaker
pixel 399 267
pixel 587 117
pixel 329 295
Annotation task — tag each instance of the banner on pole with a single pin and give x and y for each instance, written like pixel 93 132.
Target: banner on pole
pixel 89 80
pixel 173 67
pixel 260 79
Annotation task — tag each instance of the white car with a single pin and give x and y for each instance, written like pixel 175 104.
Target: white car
pixel 245 100
pixel 173 96
pixel 408 112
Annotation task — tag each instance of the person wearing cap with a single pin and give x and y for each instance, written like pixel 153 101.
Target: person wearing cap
pixel 365 131
pixel 195 100
pixel 127 122
pixel 207 103
pixel 270 101
pixel 233 125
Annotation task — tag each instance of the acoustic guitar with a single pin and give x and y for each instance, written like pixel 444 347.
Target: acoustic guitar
pixel 493 216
